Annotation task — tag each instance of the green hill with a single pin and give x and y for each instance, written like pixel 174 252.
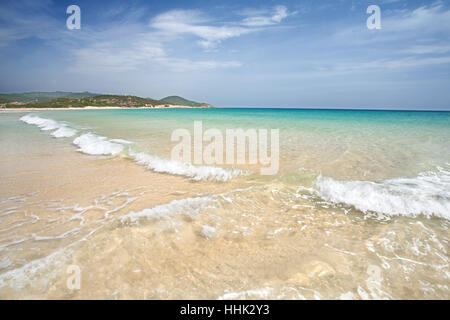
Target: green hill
pixel 84 99
pixel 96 101
pixel 37 97
pixel 176 100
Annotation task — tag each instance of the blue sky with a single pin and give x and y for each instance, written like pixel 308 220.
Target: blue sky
pixel 234 53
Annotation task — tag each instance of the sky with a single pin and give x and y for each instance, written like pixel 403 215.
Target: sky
pixel 257 53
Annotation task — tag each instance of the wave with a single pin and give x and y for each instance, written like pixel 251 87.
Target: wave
pixel 196 173
pixel 38 272
pixel 42 123
pixel 90 143
pixel 427 194
pixel 93 144
pixel 122 141
pixel 189 206
pixel 62 131
pixel 41 272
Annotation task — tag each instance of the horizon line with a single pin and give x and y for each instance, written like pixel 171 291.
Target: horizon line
pixel 339 108
pixel 420 109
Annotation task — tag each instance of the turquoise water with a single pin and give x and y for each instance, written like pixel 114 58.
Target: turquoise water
pixel 358 158
pixel 374 144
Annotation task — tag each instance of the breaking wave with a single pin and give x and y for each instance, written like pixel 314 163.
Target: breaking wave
pixel 189 206
pixel 196 173
pixel 93 144
pixel 62 131
pixel 427 194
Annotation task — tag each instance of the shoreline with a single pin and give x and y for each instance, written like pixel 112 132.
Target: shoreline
pixel 107 108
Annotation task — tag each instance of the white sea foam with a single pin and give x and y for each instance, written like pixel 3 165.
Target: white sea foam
pixel 62 131
pixel 427 194
pixel 90 143
pixel 37 273
pixel 197 173
pixel 42 123
pixel 189 206
pixel 262 293
pixel 40 272
pixel 122 141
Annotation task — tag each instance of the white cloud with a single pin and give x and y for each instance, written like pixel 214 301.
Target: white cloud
pixel 103 57
pixel 106 57
pixel 135 49
pixel 401 25
pixel 126 44
pixel 193 22
pixel 280 13
pixel 179 22
pixel 434 17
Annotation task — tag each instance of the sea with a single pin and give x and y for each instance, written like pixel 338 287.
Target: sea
pixel 359 207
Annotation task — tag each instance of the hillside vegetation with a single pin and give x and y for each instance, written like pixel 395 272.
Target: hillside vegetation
pixel 81 100
pixel 36 97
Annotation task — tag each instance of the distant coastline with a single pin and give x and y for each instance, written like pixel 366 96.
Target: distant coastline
pixel 105 108
pixel 86 100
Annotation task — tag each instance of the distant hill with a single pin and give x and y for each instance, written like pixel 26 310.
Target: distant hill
pixel 80 100
pixel 97 101
pixel 176 100
pixel 37 97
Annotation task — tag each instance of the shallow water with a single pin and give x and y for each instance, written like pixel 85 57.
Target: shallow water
pixel 359 209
